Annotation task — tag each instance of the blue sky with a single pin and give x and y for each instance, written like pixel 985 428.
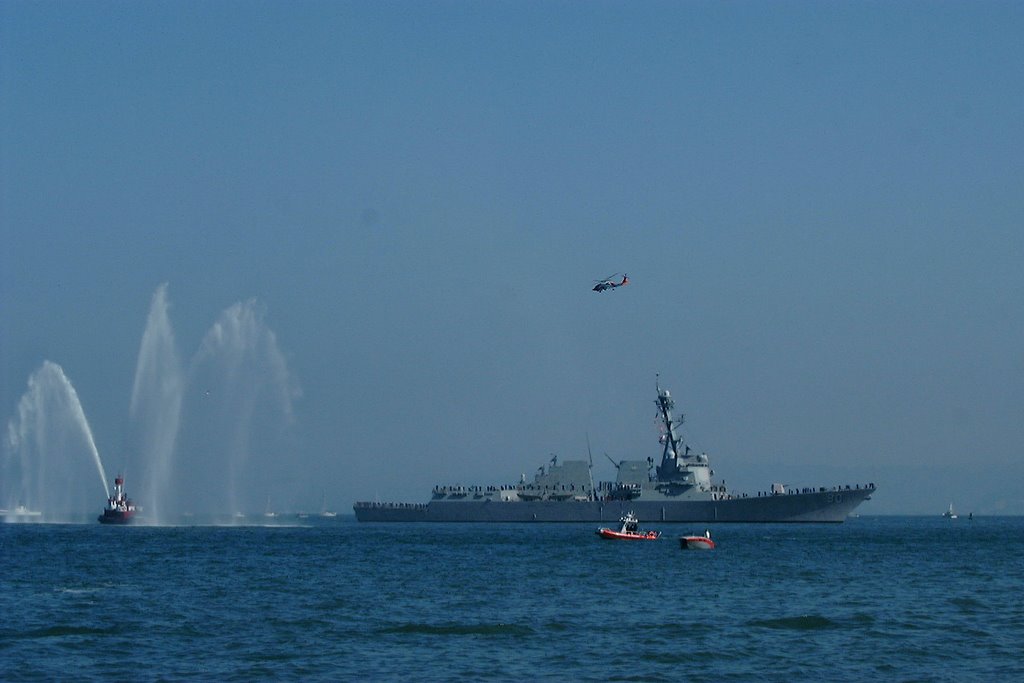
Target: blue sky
pixel 819 205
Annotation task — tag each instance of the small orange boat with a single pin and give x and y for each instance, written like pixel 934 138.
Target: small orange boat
pixel 697 542
pixel 628 531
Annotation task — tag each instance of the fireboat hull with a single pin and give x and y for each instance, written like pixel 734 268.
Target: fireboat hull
pixel 116 517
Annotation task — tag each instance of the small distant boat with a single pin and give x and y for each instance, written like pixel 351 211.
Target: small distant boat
pixel 697 542
pixel 324 512
pixel 119 509
pixel 20 514
pixel 949 514
pixel 628 531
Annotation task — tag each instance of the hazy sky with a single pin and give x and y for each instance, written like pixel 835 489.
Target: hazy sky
pixel 820 206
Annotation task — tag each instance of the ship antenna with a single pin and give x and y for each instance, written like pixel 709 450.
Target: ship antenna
pixel 590 470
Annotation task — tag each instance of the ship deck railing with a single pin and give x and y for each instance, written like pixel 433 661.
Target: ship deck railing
pixel 794 491
pixel 456 490
pixel 391 506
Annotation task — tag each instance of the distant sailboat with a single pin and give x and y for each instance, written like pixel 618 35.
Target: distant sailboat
pixel 949 513
pixel 324 512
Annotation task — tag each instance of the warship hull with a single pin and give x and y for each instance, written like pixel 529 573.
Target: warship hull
pixel 679 489
pixel 816 507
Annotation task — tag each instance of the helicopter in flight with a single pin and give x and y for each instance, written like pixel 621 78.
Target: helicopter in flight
pixel 610 283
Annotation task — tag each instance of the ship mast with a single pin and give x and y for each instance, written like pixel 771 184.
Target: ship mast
pixel 590 470
pixel 673 442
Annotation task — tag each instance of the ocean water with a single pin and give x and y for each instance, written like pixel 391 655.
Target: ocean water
pixel 875 598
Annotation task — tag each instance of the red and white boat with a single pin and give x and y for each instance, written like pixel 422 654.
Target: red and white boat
pixel 119 509
pixel 628 531
pixel 697 542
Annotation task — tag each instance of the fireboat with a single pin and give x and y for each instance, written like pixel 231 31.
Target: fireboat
pixel 119 509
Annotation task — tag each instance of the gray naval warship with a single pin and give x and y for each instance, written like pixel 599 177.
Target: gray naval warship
pixel 679 489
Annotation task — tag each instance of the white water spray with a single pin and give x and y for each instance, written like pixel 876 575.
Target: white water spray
pixel 156 406
pixel 212 441
pixel 241 396
pixel 45 441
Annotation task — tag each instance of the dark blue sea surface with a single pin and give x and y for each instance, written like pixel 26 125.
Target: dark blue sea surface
pixel 879 598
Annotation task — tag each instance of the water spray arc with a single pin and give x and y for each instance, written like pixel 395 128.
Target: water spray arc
pixel 155 408
pixel 48 442
pixel 211 439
